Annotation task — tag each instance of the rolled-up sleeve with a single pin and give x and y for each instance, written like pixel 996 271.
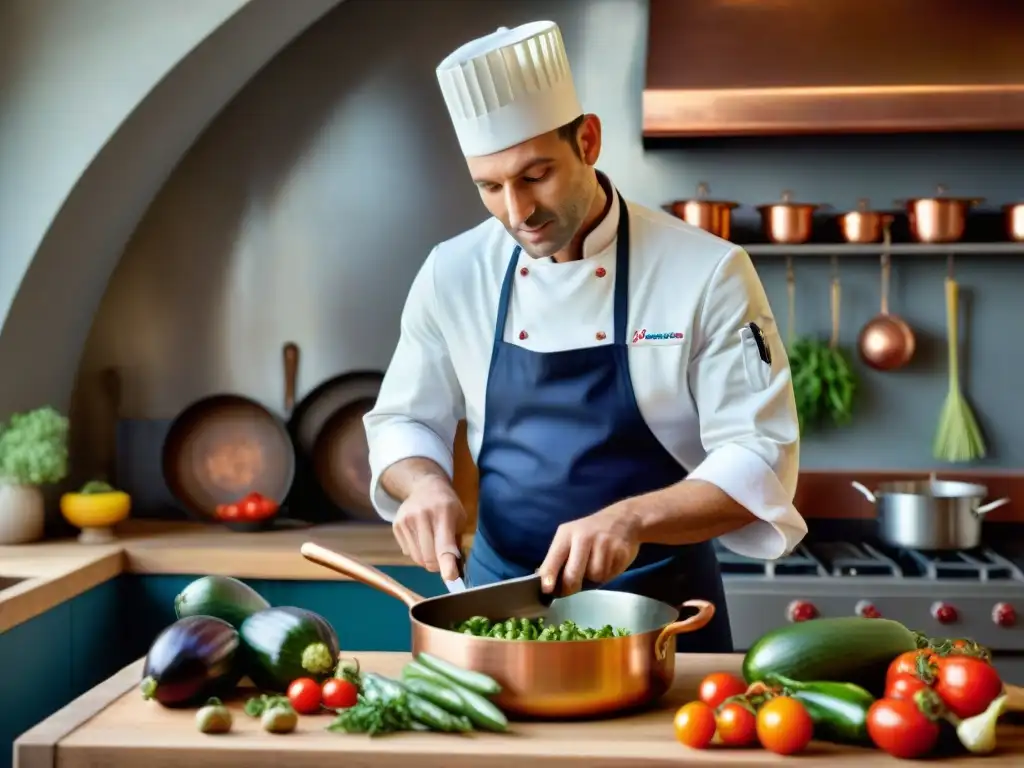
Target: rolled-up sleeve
pixel 747 411
pixel 420 401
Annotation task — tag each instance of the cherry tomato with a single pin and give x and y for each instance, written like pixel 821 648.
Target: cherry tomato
pixel 268 507
pixel 737 725
pixel 907 663
pixel 338 694
pixel 966 685
pixel 251 508
pixel 783 726
pixel 304 694
pixel 695 724
pixel 898 727
pixel 903 686
pixel 719 686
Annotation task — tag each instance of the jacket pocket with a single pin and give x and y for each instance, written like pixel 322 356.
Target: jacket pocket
pixel 755 348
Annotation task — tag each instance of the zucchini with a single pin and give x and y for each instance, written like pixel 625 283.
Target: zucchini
pixel 283 644
pixel 221 597
pixel 477 682
pixel 847 649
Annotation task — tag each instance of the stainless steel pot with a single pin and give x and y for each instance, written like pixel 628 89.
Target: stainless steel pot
pixel 930 514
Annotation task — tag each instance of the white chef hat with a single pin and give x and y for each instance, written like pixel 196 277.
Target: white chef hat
pixel 508 87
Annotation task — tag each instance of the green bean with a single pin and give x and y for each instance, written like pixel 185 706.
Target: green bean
pixel 535 629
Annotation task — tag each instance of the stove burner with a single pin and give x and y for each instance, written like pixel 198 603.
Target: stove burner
pixel 846 559
pixel 974 565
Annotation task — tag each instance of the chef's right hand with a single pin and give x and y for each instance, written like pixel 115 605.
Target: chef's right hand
pixel 428 525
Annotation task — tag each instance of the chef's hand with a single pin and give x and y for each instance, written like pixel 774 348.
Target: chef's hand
pixel 428 524
pixel 598 547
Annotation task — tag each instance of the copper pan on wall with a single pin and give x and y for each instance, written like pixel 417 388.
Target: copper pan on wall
pixel 224 446
pixel 714 216
pixel 341 461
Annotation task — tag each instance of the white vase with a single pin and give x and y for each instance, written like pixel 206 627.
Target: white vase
pixel 22 513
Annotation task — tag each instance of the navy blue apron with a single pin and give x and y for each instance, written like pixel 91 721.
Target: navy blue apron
pixel 564 438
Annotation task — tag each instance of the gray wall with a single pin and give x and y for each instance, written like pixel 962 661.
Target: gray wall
pixel 306 208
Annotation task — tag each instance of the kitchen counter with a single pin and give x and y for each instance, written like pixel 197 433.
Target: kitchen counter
pixel 53 572
pixel 112 726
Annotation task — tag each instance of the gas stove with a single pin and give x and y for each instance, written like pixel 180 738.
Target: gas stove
pixel 975 594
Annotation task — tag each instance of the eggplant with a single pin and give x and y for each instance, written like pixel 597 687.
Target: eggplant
pixel 285 643
pixel 194 659
pixel 220 596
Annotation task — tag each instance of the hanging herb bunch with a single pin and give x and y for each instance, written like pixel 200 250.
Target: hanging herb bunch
pixel 824 381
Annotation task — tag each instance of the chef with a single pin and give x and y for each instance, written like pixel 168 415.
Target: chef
pixel 627 396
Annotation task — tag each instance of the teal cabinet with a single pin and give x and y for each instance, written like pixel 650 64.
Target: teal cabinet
pixel 365 618
pixel 50 659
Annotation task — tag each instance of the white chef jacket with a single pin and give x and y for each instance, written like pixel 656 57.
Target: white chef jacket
pixel 728 417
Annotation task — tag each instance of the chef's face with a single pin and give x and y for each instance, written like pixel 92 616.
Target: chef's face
pixel 542 189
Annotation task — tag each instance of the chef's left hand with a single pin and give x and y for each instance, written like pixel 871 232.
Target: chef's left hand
pixel 598 547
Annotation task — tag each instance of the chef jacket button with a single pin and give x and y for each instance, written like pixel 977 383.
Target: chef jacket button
pixel 600 272
pixel 522 335
pixel 524 271
pixel 601 336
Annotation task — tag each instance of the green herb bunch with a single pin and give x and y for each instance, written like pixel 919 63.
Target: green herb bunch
pixel 34 448
pixel 824 383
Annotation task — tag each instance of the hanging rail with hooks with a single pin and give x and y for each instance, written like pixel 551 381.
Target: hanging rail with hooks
pixel 875 249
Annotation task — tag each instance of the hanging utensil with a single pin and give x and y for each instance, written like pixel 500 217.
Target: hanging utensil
pixel 886 342
pixel 959 437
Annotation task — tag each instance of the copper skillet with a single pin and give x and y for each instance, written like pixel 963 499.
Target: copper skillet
pixel 572 679
pixel 224 446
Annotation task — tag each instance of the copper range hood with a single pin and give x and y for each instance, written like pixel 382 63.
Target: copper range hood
pixel 791 67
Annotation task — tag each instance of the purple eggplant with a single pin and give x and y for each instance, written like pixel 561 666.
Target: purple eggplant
pixel 192 660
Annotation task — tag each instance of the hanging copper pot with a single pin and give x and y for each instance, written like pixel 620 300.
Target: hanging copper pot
pixel 715 216
pixel 863 225
pixel 939 219
pixel 886 342
pixel 1015 221
pixel 786 222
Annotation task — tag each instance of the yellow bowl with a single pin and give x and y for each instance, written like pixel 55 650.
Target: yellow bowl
pixel 95 510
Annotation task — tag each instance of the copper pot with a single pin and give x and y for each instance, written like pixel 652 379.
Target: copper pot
pixel 786 222
pixel 548 679
pixel 939 219
pixel 715 216
pixel 863 225
pixel 1015 221
pixel 886 342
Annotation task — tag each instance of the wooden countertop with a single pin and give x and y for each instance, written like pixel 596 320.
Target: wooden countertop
pixel 112 726
pixel 56 571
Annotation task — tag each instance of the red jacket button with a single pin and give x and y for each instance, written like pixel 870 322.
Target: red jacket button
pixel 600 272
pixel 524 271
pixel 522 335
pixel 600 336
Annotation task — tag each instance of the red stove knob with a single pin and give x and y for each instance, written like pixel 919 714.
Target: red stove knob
pixel 867 610
pixel 944 613
pixel 1004 615
pixel 801 610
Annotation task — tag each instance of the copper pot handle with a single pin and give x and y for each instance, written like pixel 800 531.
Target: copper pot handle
pixel 356 569
pixel 705 612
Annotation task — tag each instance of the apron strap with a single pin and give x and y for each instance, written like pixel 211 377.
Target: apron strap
pixel 621 316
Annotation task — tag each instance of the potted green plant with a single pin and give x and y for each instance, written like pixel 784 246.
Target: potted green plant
pixel 33 452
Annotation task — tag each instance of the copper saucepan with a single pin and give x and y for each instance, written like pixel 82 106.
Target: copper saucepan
pixel 549 679
pixel 787 222
pixel 863 225
pixel 1014 213
pixel 715 216
pixel 939 219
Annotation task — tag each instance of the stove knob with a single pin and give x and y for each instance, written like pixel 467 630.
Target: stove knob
pixel 1004 615
pixel 801 610
pixel 867 610
pixel 944 613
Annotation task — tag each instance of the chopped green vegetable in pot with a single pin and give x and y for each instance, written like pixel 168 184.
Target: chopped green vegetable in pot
pixel 534 629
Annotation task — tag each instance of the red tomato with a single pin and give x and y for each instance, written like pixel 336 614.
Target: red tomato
pixel 898 727
pixel 304 694
pixel 230 512
pixel 907 663
pixel 783 726
pixel 966 685
pixel 903 686
pixel 339 694
pixel 251 508
pixel 719 686
pixel 268 506
pixel 695 724
pixel 737 725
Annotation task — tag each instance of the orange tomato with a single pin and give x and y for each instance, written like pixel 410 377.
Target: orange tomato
pixel 719 686
pixel 737 725
pixel 695 724
pixel 783 726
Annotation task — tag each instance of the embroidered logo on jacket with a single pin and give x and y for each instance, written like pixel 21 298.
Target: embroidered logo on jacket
pixel 644 335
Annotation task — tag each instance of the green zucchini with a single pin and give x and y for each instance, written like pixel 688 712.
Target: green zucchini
pixel 283 644
pixel 839 710
pixel 848 649
pixel 221 597
pixel 477 682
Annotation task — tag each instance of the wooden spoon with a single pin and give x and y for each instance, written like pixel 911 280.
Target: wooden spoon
pixel 886 342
